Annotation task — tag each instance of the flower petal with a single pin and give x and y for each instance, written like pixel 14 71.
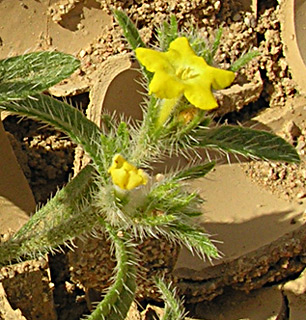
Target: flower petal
pixel 165 86
pixel 198 90
pixel 136 178
pixel 180 71
pixel 181 55
pixel 120 178
pixel 125 175
pixel 220 78
pixel 153 60
pixel 117 163
pixel 200 95
pixel 182 47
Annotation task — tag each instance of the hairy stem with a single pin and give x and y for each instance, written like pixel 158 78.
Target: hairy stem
pixel 120 295
pixel 174 309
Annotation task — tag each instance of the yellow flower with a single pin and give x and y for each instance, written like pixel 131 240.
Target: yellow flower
pixel 179 71
pixel 125 175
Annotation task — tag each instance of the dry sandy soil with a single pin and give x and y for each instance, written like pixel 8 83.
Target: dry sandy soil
pixel 255 209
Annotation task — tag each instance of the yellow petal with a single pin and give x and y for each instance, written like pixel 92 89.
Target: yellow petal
pixel 120 178
pixel 182 47
pixel 118 162
pixel 200 95
pixel 220 78
pixel 125 175
pixel 143 175
pixel 165 86
pixel 152 60
pixel 128 167
pixel 198 90
pixel 134 180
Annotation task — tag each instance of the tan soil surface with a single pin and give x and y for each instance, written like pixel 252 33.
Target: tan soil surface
pixel 249 205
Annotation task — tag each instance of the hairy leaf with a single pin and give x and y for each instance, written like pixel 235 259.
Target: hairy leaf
pixel 129 30
pixel 33 73
pixel 210 53
pixel 170 197
pixel 243 60
pixel 195 172
pixel 248 142
pixel 64 118
pixel 60 220
pixel 167 32
pixel 195 239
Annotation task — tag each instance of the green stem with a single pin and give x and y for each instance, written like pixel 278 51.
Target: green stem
pixel 174 309
pixel 146 136
pixel 149 135
pixel 120 296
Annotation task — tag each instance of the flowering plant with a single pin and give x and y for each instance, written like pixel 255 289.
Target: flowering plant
pixel 117 191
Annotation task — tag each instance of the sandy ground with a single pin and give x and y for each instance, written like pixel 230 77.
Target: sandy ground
pixel 248 205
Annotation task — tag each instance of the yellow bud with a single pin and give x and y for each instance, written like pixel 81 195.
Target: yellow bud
pixel 125 175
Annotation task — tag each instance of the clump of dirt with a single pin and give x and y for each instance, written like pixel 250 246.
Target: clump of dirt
pixel 34 300
pixel 284 179
pixel 279 85
pixel 91 265
pixel 45 155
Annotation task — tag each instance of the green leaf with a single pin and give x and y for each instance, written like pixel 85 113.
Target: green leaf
pixel 243 60
pixel 123 136
pixel 167 33
pixel 195 172
pixel 203 48
pixel 61 219
pixel 173 26
pixel 64 118
pixel 131 34
pixel 216 42
pixel 129 30
pixel 248 142
pixel 195 239
pixel 209 53
pixel 170 197
pixel 33 73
